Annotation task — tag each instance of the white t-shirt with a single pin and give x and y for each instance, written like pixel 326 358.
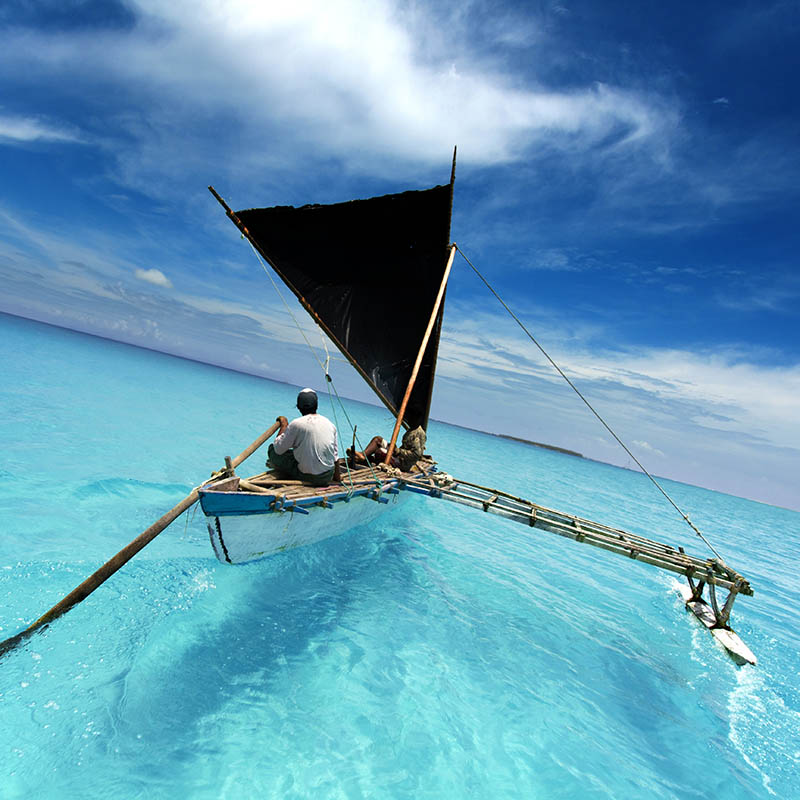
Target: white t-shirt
pixel 312 439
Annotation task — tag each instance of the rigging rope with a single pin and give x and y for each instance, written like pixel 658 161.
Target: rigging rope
pixel 589 406
pixel 330 384
pixel 324 367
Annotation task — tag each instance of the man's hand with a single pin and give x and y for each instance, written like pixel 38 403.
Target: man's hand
pixel 284 423
pixel 337 474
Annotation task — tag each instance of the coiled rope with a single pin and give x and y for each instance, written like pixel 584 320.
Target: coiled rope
pixel 591 408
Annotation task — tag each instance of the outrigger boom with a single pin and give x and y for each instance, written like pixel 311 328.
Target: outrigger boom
pixel 698 572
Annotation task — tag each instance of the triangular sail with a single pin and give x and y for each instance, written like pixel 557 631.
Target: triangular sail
pixel 368 271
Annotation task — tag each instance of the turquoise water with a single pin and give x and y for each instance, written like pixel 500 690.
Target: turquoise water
pixel 438 653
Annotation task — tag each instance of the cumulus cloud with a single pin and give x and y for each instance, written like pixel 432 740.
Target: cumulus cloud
pixel 154 276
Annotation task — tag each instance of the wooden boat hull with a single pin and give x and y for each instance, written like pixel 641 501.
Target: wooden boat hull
pixel 246 527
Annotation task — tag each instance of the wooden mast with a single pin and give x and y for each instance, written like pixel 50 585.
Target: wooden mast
pixel 434 341
pixel 435 320
pixel 420 354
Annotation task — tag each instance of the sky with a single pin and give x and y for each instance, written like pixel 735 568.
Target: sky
pixel 628 181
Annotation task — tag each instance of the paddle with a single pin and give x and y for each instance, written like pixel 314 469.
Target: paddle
pixel 126 554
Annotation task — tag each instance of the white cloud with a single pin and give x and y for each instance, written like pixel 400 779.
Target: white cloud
pixel 28 129
pixel 732 391
pixel 349 76
pixel 154 276
pixel 723 419
pixel 647 447
pixel 554 258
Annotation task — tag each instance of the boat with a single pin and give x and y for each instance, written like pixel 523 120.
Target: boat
pixel 373 274
pixel 343 262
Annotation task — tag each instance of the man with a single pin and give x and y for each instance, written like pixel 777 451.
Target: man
pixel 374 453
pixel 410 451
pixel 305 448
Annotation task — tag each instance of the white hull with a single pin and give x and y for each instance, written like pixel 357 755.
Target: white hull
pixel 247 537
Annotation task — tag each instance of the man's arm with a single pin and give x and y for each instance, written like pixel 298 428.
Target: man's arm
pixel 284 440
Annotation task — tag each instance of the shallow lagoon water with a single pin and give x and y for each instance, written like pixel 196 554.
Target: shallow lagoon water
pixel 436 653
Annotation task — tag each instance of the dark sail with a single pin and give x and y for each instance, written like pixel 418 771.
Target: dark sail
pixel 368 271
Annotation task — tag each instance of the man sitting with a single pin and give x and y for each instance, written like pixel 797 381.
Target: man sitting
pixel 305 448
pixel 410 451
pixel 374 453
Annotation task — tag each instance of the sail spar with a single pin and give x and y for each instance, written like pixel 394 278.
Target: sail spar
pixel 368 271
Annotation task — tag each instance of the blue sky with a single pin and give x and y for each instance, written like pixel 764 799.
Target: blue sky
pixel 628 180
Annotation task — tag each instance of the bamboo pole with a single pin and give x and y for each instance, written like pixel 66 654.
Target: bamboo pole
pixel 252 487
pixel 101 575
pixel 420 355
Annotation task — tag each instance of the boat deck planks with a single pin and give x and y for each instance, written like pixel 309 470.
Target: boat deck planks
pixel 266 493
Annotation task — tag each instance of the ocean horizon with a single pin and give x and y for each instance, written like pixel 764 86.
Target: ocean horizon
pixel 543 445
pixel 438 652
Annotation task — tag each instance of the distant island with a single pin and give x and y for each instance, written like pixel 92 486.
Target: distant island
pixel 515 439
pixel 538 444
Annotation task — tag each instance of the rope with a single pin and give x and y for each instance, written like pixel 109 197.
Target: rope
pixel 329 383
pixel 589 406
pixel 286 305
pixel 323 366
pixel 371 466
pixel 190 518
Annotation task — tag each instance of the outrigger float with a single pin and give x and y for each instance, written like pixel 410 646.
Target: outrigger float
pixel 349 264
